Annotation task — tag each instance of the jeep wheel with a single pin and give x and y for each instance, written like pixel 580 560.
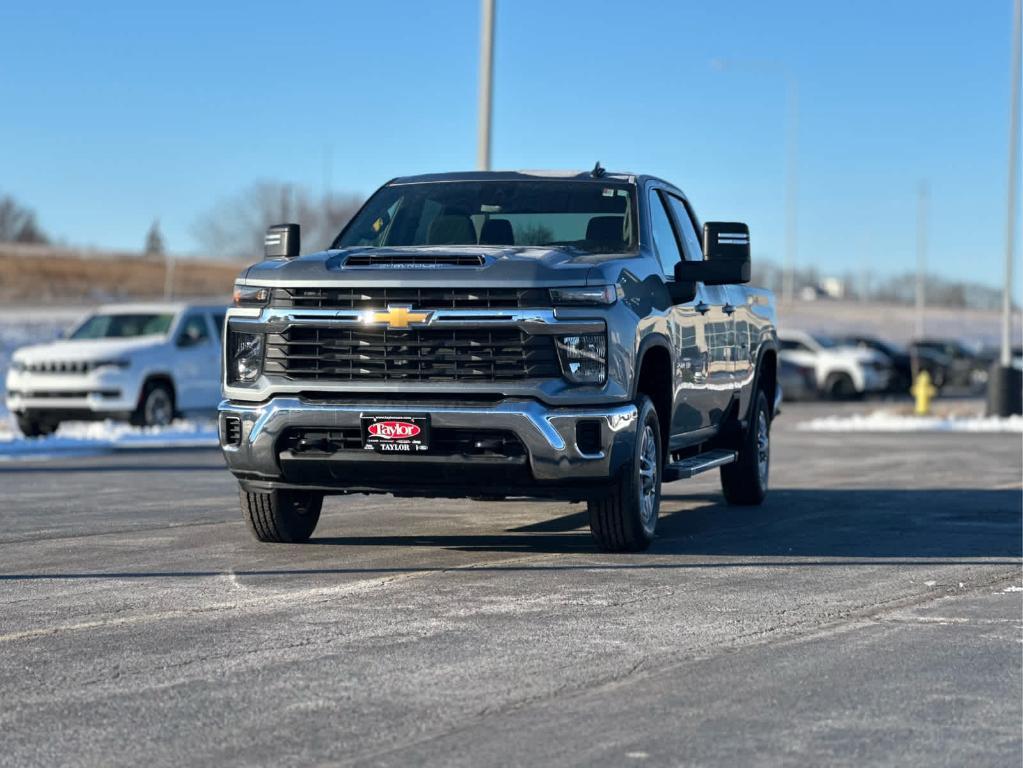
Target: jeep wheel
pixel 625 519
pixel 156 406
pixel 33 426
pixel 288 517
pixel 839 386
pixel 744 482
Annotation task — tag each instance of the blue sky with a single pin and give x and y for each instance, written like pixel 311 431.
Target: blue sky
pixel 119 112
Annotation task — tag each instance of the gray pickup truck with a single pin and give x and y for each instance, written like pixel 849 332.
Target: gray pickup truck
pixel 494 335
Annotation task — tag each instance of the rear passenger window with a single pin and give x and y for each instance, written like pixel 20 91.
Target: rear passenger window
pixel 690 241
pixel 665 242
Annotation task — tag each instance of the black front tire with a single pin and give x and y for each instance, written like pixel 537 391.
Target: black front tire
pixel 156 405
pixel 33 426
pixel 283 517
pixel 744 482
pixel 625 519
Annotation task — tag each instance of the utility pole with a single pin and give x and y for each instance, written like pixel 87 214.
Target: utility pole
pixel 486 84
pixel 1005 383
pixel 921 257
pixel 1010 224
pixel 791 186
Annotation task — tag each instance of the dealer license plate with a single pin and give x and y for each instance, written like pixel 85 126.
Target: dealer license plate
pixel 396 433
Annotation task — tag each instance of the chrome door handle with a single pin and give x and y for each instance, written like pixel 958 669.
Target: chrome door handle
pixel 728 309
pixel 702 308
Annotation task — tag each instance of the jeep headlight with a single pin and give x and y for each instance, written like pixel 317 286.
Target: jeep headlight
pixel 583 357
pixel 245 357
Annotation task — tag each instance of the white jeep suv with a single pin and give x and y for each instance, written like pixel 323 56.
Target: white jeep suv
pixel 141 362
pixel 842 371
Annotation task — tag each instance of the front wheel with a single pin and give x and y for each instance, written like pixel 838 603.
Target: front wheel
pixel 33 426
pixel 744 481
pixel 625 519
pixel 287 517
pixel 156 406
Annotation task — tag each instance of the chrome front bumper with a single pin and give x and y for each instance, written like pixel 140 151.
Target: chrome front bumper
pixel 548 434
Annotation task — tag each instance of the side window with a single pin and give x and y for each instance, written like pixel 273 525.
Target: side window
pixel 218 322
pixel 665 242
pixel 690 242
pixel 792 345
pixel 193 331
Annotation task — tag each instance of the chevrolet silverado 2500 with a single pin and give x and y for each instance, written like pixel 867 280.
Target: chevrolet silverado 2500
pixel 489 335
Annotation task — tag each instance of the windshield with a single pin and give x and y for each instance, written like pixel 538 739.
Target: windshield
pixel 591 216
pixel 825 341
pixel 123 326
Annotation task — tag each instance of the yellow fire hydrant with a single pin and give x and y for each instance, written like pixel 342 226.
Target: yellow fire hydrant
pixel 923 392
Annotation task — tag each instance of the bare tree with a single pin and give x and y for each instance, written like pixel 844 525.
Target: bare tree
pixel 18 224
pixel 234 228
pixel 154 240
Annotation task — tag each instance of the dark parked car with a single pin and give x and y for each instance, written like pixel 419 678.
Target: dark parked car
pixel 797 382
pixel 903 367
pixel 965 367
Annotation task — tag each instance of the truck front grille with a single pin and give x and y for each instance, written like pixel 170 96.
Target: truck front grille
pixel 311 353
pixel 420 298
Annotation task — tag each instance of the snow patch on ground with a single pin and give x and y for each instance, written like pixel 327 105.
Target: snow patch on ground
pixel 87 438
pixel 884 421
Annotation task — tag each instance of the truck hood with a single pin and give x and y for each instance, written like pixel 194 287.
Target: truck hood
pixel 513 267
pixel 85 350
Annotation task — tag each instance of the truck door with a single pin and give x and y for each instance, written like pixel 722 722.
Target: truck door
pixel 687 327
pixel 718 313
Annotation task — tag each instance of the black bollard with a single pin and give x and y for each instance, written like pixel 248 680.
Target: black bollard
pixel 1004 391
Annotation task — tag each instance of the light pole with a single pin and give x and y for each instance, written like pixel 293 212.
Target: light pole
pixel 791 161
pixel 921 257
pixel 486 84
pixel 1005 387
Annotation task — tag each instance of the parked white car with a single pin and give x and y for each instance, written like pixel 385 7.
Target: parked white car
pixel 842 371
pixel 142 362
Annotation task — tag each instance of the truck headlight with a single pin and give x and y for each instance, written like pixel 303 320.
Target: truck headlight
pixel 245 357
pixel 583 357
pixel 250 295
pixel 586 295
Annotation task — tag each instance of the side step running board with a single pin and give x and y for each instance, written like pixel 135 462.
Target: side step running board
pixel 694 465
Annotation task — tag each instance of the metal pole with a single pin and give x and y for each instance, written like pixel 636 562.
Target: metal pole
pixel 921 257
pixel 486 84
pixel 791 187
pixel 1010 226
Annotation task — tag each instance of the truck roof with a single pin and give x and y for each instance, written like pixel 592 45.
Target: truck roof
pixel 523 175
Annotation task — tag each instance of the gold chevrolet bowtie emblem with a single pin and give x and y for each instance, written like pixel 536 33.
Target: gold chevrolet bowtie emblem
pixel 396 316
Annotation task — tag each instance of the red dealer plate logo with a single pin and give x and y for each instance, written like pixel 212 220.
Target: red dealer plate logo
pixel 394 430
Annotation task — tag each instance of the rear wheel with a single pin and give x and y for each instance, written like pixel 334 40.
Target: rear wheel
pixel 32 425
pixel 288 517
pixel 744 481
pixel 625 519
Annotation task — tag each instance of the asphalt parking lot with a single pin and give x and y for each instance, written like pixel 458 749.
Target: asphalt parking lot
pixel 868 613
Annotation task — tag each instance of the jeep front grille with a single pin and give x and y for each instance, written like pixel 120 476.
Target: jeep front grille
pixel 420 298
pixel 315 353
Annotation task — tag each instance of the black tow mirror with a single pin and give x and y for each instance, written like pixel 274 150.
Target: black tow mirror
pixel 726 253
pixel 282 240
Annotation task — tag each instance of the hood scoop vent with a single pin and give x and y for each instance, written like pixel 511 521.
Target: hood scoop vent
pixel 414 261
